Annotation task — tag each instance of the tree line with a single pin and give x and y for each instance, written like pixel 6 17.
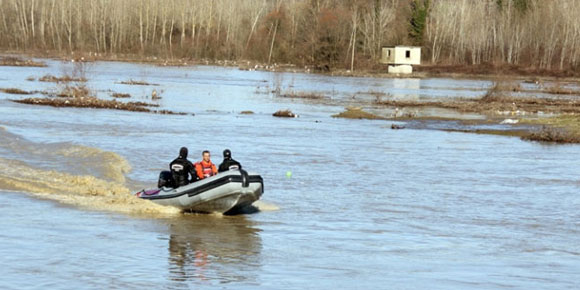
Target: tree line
pixel 542 34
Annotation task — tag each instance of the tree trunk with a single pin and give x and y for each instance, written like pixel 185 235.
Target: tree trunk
pixel 273 39
pixel 254 25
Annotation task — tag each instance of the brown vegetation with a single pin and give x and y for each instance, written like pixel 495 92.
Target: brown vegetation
pixel 246 112
pixel 303 95
pixel 120 95
pixel 285 114
pixel 513 133
pixel 498 68
pixel 357 113
pixel 493 103
pixel 93 102
pixel 168 112
pixel 539 35
pixel 83 102
pixel 137 83
pixel 74 92
pixel 16 61
pixel 557 89
pixel 63 79
pixel 15 91
pixel 554 135
pixel 142 104
pixel 564 128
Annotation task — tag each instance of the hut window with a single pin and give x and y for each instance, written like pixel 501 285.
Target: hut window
pixel 408 54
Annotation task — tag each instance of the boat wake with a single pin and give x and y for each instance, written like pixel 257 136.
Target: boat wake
pixel 93 179
pixel 265 206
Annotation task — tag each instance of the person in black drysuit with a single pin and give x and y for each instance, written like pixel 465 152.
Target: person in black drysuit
pixel 228 162
pixel 181 168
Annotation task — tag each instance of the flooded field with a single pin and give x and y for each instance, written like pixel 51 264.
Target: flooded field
pixel 348 204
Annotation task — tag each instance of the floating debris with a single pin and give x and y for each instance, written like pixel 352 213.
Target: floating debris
pixel 63 79
pixel 357 113
pixel 137 83
pixel 142 104
pixel 303 95
pixel 120 96
pixel 246 113
pixel 285 114
pixel 167 112
pixel 155 95
pixel 15 91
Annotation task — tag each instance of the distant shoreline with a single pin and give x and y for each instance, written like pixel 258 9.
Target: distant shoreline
pixel 483 71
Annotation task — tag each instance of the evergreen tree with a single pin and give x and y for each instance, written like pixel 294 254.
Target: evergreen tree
pixel 419 11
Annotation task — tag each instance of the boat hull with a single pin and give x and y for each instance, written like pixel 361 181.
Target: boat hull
pixel 221 193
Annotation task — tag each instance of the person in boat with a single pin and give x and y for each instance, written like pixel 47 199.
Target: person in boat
pixel 181 169
pixel 229 163
pixel 205 168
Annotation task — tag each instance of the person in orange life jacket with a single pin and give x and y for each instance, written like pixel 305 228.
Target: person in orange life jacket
pixel 205 168
pixel 181 168
pixel 229 163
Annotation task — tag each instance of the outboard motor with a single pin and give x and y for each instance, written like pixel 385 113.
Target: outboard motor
pixel 165 179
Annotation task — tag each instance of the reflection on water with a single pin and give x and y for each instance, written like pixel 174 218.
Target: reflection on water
pixel 214 249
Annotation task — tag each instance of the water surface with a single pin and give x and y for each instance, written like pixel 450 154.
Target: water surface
pixel 364 206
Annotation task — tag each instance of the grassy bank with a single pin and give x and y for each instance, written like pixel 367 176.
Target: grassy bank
pixel 357 113
pixel 554 120
pixel 560 129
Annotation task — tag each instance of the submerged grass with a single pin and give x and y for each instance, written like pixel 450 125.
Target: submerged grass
pixel 63 79
pixel 357 113
pixel 284 114
pixel 513 133
pixel 552 134
pixel 15 91
pixel 303 95
pixel 75 92
pixel 120 95
pixel 95 103
pixel 561 129
pixel 16 61
pixel 137 83
pixel 558 89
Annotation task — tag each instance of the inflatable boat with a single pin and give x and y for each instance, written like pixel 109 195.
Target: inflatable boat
pixel 224 192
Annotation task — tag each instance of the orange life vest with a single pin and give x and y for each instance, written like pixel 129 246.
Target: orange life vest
pixel 204 169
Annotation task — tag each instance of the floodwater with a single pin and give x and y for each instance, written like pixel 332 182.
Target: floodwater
pixel 348 204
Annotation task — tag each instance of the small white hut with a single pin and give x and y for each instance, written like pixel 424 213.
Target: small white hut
pixel 401 58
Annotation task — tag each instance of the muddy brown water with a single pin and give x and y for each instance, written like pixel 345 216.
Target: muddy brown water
pixel 348 204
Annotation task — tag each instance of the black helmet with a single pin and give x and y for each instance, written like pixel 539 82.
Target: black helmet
pixel 227 154
pixel 183 152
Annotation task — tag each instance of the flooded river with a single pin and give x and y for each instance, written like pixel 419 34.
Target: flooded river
pixel 348 204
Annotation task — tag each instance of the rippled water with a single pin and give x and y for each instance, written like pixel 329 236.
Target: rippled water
pixel 364 206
